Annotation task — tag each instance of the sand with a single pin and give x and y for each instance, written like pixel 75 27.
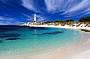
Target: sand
pixel 59 26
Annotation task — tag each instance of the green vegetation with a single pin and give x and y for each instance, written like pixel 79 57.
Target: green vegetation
pixel 60 21
pixel 71 20
pixel 85 19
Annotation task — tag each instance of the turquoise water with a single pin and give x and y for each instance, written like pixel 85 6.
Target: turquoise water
pixel 15 39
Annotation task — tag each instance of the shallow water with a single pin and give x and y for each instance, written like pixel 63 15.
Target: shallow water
pixel 18 40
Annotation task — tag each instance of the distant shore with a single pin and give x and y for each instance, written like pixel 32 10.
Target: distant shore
pixel 87 29
pixel 67 27
pixel 60 24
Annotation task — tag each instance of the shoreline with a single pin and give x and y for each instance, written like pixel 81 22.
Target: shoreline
pixel 50 26
pixel 66 27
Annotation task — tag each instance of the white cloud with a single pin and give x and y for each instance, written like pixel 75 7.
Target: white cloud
pixel 60 5
pixel 5 23
pixel 28 4
pixel 7 20
pixel 69 7
pixel 3 18
pixel 31 17
pixel 81 6
pixel 41 18
pixel 53 5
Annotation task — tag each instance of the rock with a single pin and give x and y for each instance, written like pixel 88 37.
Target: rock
pixel 12 38
pixel 85 30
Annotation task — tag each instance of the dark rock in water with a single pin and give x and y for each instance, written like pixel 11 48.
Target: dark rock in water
pixel 37 34
pixel 85 30
pixel 1 41
pixel 12 38
pixel 9 35
pixel 37 28
pixel 56 32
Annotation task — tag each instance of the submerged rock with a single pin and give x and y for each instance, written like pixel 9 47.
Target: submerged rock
pixel 56 32
pixel 9 35
pixel 85 30
pixel 1 41
pixel 12 38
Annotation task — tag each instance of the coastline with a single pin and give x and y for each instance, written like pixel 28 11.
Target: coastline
pixel 59 26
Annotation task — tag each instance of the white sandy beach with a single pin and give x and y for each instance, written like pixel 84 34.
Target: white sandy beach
pixel 59 26
pixel 83 55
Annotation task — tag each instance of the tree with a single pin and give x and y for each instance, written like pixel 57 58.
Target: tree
pixel 85 19
pixel 60 21
pixel 71 20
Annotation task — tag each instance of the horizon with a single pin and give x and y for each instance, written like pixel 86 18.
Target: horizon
pixel 13 11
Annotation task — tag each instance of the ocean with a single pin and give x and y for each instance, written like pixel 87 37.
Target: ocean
pixel 32 40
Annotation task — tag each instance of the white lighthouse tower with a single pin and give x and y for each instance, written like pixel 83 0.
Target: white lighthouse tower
pixel 35 18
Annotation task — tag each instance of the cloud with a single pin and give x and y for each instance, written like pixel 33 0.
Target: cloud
pixel 69 8
pixel 39 18
pixel 7 20
pixel 81 6
pixel 53 5
pixel 6 23
pixel 3 18
pixel 28 4
pixel 60 5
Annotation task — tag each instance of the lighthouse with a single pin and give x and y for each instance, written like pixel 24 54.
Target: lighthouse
pixel 35 18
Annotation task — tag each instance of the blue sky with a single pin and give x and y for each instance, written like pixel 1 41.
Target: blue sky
pixel 14 11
